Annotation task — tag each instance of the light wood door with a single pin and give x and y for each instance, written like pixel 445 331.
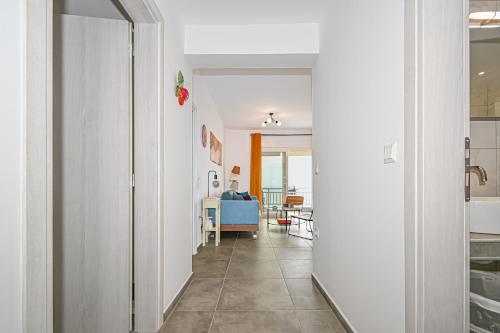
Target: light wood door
pixel 92 168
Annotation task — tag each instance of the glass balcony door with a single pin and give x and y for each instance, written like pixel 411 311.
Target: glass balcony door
pixel 299 175
pixel 273 179
pixel 286 173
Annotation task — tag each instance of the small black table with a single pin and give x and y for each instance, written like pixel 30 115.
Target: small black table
pixel 286 210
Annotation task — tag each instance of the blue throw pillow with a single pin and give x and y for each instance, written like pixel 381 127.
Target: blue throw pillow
pixel 242 193
pixel 237 197
pixel 227 195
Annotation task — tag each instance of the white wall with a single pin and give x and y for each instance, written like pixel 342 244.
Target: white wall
pixel 237 152
pixel 207 115
pixel 10 176
pixel 178 164
pixel 252 45
pixel 485 152
pixel 252 39
pixel 359 208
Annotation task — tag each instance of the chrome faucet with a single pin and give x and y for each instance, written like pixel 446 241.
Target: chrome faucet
pixel 481 173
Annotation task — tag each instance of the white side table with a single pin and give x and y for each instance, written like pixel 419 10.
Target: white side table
pixel 209 203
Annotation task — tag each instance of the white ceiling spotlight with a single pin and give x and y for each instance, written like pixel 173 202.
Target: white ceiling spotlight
pixel 270 120
pixel 481 73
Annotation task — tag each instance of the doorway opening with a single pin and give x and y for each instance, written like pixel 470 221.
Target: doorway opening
pixel 484 205
pixel 229 106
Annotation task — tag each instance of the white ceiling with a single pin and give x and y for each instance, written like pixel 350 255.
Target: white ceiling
pixel 250 11
pixel 244 97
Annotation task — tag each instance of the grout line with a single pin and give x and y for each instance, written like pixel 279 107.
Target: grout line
pixel 288 290
pixel 223 282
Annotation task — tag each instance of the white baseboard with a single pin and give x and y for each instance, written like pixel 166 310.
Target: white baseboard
pixel 342 318
pixel 170 308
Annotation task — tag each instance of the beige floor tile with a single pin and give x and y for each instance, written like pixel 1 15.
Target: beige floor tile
pixel 188 322
pixel 289 242
pixel 305 295
pixel 249 242
pixel 258 269
pixel 255 322
pixel 227 239
pixel 209 268
pixel 201 295
pixel 293 253
pixel 296 269
pixel 249 235
pixel 322 321
pixel 245 253
pixel 217 253
pixel 255 294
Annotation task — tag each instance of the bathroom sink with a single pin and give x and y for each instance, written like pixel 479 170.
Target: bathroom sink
pixel 485 215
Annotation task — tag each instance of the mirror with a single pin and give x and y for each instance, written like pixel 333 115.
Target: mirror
pixel 484 59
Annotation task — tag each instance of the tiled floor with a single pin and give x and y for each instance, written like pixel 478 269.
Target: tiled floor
pixel 247 285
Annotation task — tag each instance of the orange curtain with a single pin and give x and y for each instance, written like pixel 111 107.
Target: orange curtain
pixel 256 167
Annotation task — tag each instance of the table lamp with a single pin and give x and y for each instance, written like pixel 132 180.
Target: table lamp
pixel 234 178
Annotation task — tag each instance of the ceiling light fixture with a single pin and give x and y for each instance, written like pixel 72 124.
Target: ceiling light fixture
pixel 481 73
pixel 486 19
pixel 271 120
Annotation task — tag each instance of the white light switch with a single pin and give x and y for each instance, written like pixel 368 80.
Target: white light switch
pixel 390 152
pixel 316 171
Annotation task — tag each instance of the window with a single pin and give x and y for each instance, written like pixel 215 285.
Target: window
pixel 299 178
pixel 286 174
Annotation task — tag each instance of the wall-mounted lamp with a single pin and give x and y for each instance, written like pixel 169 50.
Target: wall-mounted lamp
pixel 215 182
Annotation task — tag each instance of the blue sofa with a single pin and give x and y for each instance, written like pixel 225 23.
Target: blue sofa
pixel 237 214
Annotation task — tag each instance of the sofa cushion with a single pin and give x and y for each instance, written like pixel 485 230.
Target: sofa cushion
pixel 247 197
pixel 227 195
pixel 237 197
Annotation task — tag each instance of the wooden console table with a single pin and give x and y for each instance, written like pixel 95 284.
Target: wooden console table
pixel 211 203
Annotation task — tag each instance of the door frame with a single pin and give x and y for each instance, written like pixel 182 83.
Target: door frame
pixel 37 161
pixel 196 227
pixel 436 123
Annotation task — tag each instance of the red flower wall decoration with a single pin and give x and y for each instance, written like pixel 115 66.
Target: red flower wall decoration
pixel 181 93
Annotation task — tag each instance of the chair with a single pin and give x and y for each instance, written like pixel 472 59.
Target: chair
pixel 293 203
pixel 303 218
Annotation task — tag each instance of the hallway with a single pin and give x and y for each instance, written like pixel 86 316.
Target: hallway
pixel 248 285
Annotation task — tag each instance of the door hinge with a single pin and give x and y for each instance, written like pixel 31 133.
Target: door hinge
pixel 132 181
pixel 467 169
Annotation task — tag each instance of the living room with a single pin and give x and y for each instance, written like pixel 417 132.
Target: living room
pixel 252 134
